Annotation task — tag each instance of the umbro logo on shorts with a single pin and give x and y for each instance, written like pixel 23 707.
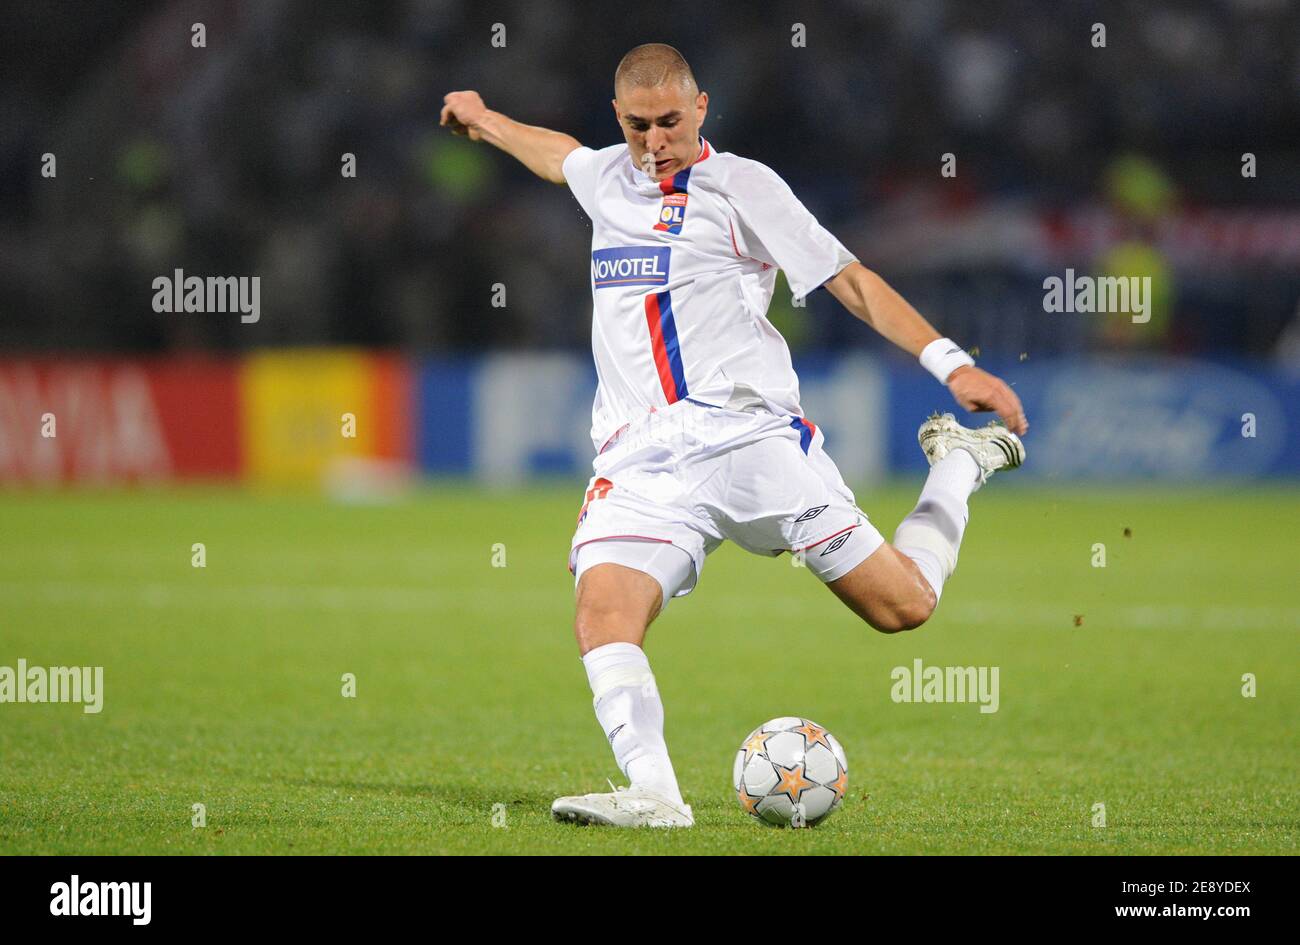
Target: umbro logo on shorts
pixel 811 513
pixel 837 544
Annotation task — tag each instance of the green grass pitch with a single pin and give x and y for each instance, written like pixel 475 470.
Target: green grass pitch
pixel 223 684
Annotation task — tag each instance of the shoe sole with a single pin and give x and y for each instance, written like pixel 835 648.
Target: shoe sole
pixel 582 818
pixel 591 819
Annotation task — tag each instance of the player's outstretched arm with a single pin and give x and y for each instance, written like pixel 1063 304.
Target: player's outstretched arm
pixel 541 150
pixel 872 299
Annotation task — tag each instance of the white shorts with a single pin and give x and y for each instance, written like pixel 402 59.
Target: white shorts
pixel 690 476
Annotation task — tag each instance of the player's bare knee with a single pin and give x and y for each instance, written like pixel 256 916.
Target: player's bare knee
pixel 890 622
pixel 906 614
pixel 917 611
pixel 919 607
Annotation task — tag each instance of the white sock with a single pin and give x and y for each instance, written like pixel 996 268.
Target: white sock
pixel 931 535
pixel 628 709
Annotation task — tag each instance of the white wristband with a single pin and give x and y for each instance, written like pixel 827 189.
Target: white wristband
pixel 943 356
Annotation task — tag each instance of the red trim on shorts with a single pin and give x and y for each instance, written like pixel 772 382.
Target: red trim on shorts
pixel 573 552
pixel 826 539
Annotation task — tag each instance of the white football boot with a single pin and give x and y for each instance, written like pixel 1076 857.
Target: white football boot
pixel 994 446
pixel 624 807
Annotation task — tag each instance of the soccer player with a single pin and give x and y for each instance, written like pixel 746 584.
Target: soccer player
pixel 697 428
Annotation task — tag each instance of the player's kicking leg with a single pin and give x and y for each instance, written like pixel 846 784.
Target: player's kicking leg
pixel 616 602
pixel 899 586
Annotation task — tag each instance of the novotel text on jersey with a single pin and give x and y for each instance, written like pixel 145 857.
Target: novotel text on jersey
pixel 630 265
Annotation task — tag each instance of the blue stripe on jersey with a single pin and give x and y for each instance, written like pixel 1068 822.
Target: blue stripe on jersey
pixel 671 345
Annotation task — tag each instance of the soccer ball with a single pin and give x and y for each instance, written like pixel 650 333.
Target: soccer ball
pixel 790 772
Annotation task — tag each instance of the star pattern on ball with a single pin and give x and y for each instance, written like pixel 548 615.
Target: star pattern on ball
pixel 840 784
pixel 813 734
pixel 793 782
pixel 755 744
pixel 748 801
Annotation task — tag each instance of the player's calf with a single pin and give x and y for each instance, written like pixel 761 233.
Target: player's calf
pixel 887 591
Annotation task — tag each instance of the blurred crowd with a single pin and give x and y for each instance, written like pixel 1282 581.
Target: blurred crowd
pixel 226 160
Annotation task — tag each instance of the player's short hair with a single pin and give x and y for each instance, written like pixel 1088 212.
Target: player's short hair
pixel 652 65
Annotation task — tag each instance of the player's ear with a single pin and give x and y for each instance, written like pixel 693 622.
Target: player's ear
pixel 618 117
pixel 701 107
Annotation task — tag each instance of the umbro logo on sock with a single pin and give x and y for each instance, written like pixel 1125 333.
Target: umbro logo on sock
pixel 611 735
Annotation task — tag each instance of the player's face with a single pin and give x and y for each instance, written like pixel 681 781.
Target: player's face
pixel 662 127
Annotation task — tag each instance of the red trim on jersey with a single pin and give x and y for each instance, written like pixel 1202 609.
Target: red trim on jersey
pixel 736 249
pixel 655 324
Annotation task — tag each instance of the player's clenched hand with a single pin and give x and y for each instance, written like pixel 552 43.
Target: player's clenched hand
pixel 462 112
pixel 977 390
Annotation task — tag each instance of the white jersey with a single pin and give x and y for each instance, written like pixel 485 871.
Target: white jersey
pixel 682 272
